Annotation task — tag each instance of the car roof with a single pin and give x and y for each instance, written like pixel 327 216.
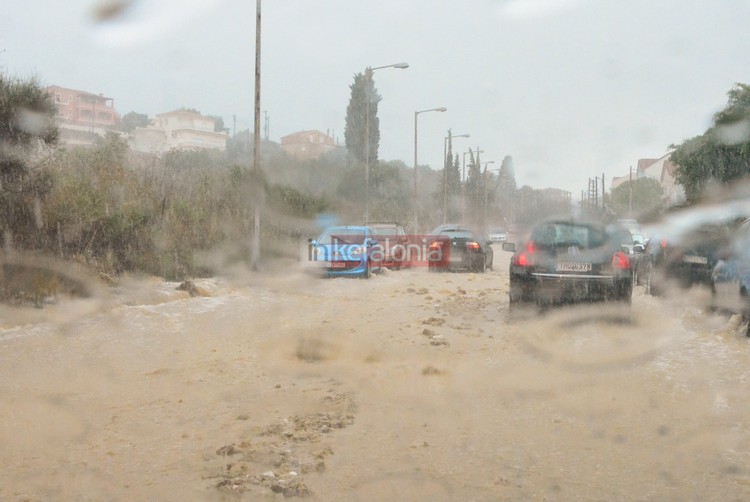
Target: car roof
pixel 452 227
pixel 346 227
pixel 463 231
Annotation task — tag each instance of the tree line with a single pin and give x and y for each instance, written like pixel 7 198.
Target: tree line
pixel 188 213
pixel 713 161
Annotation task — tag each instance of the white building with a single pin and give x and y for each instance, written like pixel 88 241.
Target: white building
pixel 181 130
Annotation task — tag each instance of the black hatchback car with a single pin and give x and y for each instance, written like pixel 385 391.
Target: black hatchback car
pixel 455 248
pixel 569 261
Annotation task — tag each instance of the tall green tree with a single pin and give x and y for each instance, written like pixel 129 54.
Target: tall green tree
pixel 361 114
pixel 721 154
pixel 27 121
pixel 219 125
pixel 132 120
pixel 451 177
pixel 474 191
pixel 454 177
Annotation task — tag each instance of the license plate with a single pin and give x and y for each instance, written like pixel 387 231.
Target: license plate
pixel 573 267
pixel 338 264
pixel 456 258
pixel 700 260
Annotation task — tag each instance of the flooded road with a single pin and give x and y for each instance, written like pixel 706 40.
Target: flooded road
pixel 410 386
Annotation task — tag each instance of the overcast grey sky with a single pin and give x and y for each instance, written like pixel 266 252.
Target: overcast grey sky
pixel 569 88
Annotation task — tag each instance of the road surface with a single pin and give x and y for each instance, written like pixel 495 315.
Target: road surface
pixel 408 386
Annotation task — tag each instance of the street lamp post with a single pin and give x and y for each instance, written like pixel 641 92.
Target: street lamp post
pixel 448 139
pixel 415 202
pixel 368 77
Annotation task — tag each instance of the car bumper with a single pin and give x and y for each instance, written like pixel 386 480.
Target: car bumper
pixel 345 269
pixel 687 275
pixel 458 262
pixel 564 288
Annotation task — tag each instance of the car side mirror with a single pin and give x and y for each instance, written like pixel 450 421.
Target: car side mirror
pixel 509 246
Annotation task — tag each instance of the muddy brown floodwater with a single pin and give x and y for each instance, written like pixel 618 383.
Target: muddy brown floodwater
pixel 408 386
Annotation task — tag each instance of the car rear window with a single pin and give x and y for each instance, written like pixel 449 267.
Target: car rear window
pixel 568 234
pixel 458 234
pixel 378 231
pixel 342 236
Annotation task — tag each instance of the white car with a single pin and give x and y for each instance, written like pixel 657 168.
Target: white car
pixel 497 235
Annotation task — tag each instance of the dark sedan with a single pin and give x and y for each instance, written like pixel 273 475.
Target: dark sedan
pixel 682 261
pixel 730 278
pixel 569 261
pixel 455 248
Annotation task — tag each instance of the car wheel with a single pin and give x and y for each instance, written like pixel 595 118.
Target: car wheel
pixel 515 296
pixel 368 271
pixel 650 289
pixel 625 296
pixel 745 315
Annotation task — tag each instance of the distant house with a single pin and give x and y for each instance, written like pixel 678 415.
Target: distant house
pixel 83 116
pixel 556 194
pixel 181 130
pixel 305 145
pixel 662 170
pixel 674 193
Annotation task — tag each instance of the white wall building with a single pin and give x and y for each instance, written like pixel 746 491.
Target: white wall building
pixel 181 130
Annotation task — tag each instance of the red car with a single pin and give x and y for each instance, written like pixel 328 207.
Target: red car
pixel 394 242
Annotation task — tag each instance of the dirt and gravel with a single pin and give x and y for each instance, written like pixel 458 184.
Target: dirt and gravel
pixel 408 386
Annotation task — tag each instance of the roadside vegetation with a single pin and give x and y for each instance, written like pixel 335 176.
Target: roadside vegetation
pixel 719 157
pixel 188 213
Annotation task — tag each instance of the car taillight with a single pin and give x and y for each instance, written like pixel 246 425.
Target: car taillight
pixel 473 246
pixel 435 245
pixel 663 243
pixel 620 261
pixel 525 258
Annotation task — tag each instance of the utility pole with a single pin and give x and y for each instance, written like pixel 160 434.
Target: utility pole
pixel 368 97
pixel 445 176
pixel 255 243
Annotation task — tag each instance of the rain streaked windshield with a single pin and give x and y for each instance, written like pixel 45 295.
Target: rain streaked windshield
pixel 182 316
